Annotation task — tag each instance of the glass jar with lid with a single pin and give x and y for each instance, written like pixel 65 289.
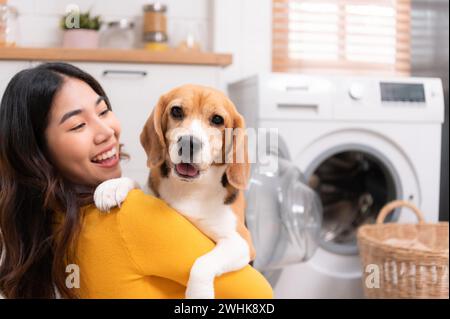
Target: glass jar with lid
pixel 155 27
pixel 118 35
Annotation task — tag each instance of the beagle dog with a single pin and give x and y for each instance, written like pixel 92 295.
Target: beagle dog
pixel 192 139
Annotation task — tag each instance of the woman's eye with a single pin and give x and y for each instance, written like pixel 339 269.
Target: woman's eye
pixel 78 127
pixel 217 120
pixel 105 112
pixel 177 112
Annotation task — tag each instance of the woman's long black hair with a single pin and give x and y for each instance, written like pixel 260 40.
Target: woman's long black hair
pixel 33 251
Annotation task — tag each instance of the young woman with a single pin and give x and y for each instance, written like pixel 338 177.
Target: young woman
pixel 59 139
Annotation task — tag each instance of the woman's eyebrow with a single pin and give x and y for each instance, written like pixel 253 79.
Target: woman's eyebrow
pixel 76 112
pixel 69 115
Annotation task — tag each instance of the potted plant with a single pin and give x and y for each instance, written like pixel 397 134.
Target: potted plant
pixel 81 30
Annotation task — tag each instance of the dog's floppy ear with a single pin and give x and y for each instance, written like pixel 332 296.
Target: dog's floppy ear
pixel 152 136
pixel 238 171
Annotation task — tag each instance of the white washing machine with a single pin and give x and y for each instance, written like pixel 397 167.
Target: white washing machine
pixel 360 142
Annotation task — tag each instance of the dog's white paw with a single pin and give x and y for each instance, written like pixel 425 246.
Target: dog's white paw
pixel 200 290
pixel 201 279
pixel 113 192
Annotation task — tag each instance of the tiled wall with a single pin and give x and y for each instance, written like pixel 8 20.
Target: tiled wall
pixel 39 19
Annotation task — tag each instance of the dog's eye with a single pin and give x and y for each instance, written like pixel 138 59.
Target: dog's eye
pixel 177 112
pixel 217 120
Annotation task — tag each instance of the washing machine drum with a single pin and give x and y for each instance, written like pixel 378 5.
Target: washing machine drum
pixel 283 215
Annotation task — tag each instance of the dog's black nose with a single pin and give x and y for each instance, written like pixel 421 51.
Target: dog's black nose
pixel 189 145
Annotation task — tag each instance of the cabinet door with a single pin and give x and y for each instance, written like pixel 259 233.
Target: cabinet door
pixel 134 90
pixel 7 70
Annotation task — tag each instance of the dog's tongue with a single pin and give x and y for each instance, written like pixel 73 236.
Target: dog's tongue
pixel 186 169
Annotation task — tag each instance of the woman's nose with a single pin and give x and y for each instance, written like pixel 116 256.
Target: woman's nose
pixel 103 132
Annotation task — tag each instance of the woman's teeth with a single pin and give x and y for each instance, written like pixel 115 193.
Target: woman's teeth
pixel 105 155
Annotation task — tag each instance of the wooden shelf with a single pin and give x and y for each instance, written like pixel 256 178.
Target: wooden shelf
pixel 116 56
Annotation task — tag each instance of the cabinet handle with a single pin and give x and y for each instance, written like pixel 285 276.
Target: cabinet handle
pixel 124 72
pixel 299 88
pixel 312 108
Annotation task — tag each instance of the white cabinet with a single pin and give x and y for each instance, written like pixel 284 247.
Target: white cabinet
pixel 7 70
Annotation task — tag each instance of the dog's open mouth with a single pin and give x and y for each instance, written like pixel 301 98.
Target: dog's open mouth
pixel 186 170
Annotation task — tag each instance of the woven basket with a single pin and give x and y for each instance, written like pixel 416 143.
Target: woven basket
pixel 404 260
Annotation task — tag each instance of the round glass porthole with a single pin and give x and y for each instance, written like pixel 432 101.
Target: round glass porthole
pixel 353 185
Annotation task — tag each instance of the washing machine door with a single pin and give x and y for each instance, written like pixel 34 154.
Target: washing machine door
pixel 353 183
pixel 283 214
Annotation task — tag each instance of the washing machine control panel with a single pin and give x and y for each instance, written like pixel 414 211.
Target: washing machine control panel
pixel 388 99
pixel 333 97
pixel 402 92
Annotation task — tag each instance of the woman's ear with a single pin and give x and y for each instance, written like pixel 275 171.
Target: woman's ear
pixel 152 136
pixel 238 171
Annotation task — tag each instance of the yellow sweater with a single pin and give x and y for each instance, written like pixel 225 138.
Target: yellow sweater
pixel 146 249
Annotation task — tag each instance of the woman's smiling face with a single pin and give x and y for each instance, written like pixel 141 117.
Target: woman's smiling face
pixel 83 135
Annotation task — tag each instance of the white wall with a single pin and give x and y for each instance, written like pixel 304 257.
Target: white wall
pixel 243 28
pixel 39 19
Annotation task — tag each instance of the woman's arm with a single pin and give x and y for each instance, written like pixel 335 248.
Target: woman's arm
pixel 161 242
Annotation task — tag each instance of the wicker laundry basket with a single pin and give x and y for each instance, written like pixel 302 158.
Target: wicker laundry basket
pixel 404 260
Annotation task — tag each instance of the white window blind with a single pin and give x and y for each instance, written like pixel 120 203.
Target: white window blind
pixel 356 36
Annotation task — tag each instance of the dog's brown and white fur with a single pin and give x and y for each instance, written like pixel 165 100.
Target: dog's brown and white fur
pixel 210 196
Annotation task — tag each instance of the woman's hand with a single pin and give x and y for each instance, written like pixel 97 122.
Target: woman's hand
pixel 113 192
